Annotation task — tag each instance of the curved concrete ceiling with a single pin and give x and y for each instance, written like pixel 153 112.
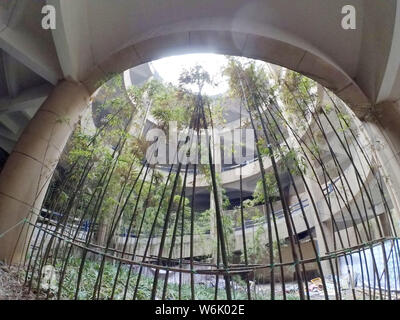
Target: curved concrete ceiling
pixel 96 38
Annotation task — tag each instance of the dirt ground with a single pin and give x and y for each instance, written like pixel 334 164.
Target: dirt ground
pixel 11 288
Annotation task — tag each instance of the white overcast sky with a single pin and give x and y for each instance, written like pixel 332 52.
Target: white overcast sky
pixel 170 69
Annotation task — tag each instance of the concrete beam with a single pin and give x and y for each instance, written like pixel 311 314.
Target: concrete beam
pixel 6 133
pixel 393 65
pixel 7 144
pixel 37 55
pixel 72 38
pixel 6 9
pixel 9 73
pixel 29 113
pixel 10 124
pixel 31 98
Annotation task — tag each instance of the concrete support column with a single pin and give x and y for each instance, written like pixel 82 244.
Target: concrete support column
pixel 383 130
pixel 325 228
pixel 385 225
pixel 29 168
pixel 349 237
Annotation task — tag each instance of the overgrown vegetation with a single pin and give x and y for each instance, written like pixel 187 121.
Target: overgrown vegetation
pixel 107 195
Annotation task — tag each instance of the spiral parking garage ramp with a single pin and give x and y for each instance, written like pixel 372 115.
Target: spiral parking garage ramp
pixel 313 215
pixel 326 232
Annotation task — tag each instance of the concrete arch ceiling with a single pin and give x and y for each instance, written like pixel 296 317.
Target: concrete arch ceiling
pixel 303 35
pixel 97 38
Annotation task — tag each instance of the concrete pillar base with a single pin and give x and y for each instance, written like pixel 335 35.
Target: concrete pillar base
pixel 29 168
pixel 383 129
